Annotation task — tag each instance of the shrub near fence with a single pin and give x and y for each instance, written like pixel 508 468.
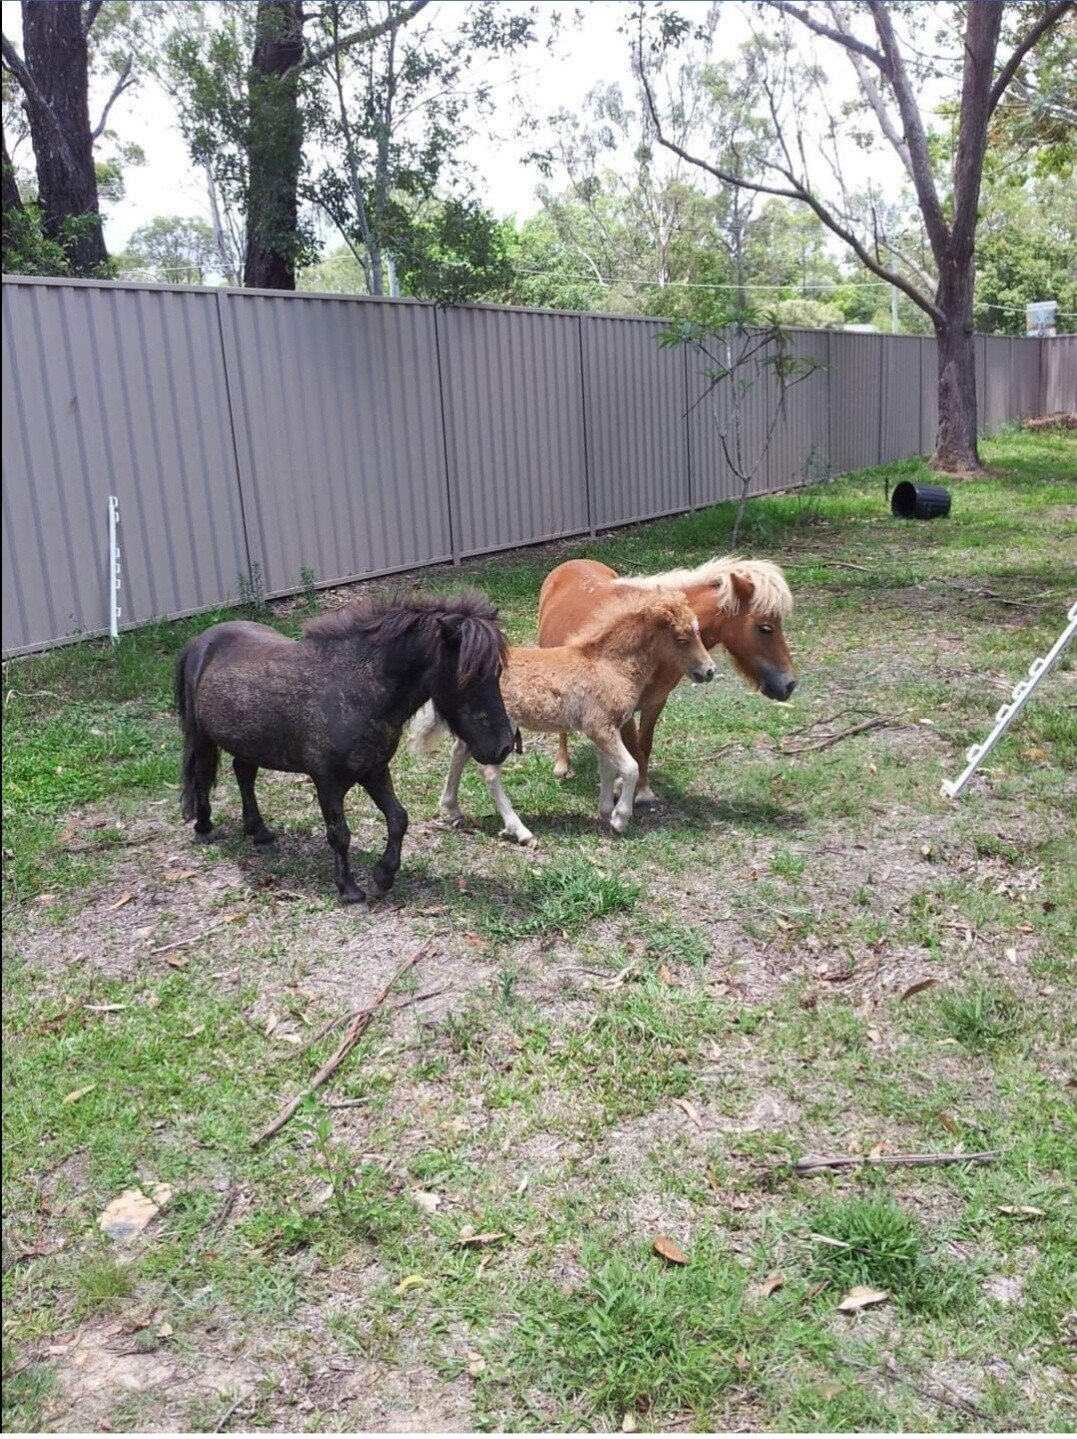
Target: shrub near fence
pixel 253 435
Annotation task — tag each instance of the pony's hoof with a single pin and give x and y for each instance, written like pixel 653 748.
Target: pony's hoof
pixel 354 895
pixel 382 884
pixel 264 839
pixel 619 823
pixel 454 819
pixel 203 836
pixel 563 772
pixel 519 836
pixel 646 799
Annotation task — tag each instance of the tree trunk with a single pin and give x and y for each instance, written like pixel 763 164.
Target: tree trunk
pixel 274 147
pixel 12 198
pixel 57 105
pixel 955 440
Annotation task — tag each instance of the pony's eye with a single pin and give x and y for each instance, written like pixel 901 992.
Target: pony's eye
pixel 766 629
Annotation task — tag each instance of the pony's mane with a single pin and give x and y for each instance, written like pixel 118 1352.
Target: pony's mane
pixel 389 620
pixel 771 595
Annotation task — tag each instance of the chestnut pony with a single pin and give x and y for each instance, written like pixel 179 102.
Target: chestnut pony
pixel 740 605
pixel 592 685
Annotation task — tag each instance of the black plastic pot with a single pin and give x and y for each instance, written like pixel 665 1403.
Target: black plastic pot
pixel 919 502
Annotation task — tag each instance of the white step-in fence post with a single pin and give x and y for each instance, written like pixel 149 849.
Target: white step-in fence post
pixel 115 578
pixel 1008 713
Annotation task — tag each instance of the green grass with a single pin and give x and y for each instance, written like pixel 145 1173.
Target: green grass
pixel 605 1040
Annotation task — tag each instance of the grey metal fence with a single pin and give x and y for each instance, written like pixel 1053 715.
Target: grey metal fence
pixel 258 440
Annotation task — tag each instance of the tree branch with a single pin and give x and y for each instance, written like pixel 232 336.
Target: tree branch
pixel 840 37
pixel 124 82
pixel 875 99
pixel 361 37
pixel 794 189
pixel 92 12
pixel 1049 18
pixel 915 137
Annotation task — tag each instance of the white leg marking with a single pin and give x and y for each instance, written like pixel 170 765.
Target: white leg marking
pixel 450 801
pixel 514 827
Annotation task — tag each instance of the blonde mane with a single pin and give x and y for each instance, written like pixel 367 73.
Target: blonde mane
pixel 771 590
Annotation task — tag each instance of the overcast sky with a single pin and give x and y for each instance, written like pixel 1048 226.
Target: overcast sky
pixel 588 53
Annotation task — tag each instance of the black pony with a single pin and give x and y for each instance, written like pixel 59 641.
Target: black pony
pixel 333 705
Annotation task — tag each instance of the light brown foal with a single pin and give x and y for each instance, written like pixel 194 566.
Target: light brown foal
pixel 740 605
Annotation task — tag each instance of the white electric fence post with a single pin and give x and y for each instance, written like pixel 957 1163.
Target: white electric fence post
pixel 115 579
pixel 1008 713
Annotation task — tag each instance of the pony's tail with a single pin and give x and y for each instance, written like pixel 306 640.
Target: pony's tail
pixel 428 729
pixel 200 755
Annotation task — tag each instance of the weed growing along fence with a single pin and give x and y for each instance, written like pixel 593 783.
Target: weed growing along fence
pixel 263 443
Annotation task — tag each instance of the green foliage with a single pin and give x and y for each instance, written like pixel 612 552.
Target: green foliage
pixel 452 251
pixel 563 896
pixel 977 1017
pixel 871 1240
pixel 175 249
pixel 27 249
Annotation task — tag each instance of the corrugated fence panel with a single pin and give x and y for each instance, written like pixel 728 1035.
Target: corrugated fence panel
pixel 338 423
pixel 929 394
pixel 514 425
pixel 118 391
pixel 900 429
pixel 1059 375
pixel 637 433
pixel 856 376
pixel 1025 360
pixel 800 448
pixel 996 401
pixel 708 414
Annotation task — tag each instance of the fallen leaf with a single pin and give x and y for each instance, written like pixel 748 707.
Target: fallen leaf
pixel 1011 955
pixel 77 1094
pixel 669 1251
pixel 628 1423
pixel 926 851
pixel 173 876
pixel 741 1360
pixel 476 1364
pixel 524 1182
pixel 860 1297
pixel 427 1201
pixel 476 1241
pixel 164 1331
pixel 831 1390
pixel 770 1284
pixel 194 1033
pixel 413 1281
pixel 948 1122
pixel 124 898
pixel 874 1035
pixel 1028 1211
pixel 1035 753
pixel 176 961
pixel 128 1214
pixel 665 974
pixel 918 987
pixel 691 1111
pixel 473 939
pixel 878 1150
pixel 271 1024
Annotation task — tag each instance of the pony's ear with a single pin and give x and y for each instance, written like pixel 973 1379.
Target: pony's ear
pixel 742 587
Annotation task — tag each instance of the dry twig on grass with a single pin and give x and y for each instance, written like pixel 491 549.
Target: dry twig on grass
pixel 360 1021
pixel 814 1164
pixel 825 742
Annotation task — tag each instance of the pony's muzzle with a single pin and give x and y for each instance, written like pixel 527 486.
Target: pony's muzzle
pixel 702 674
pixel 778 686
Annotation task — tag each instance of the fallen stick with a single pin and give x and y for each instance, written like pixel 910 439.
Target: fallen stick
pixel 355 1031
pixel 812 1163
pixel 889 1371
pixel 183 943
pixel 331 1024
pixel 878 722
